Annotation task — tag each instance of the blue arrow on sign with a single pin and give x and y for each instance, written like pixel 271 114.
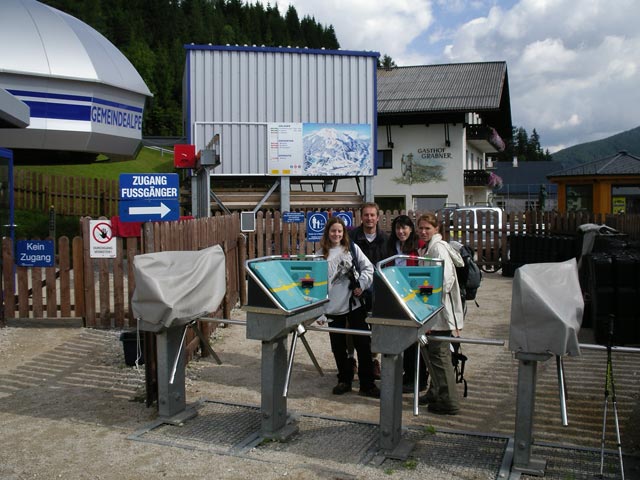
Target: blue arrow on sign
pixel 149 210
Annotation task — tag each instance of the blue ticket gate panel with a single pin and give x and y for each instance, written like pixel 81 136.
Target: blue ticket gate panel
pixel 406 302
pixel 284 294
pixel 412 293
pixel 287 284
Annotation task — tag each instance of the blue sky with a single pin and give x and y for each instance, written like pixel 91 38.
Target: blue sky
pixel 574 65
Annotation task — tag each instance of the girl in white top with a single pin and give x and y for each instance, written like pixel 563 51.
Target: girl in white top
pixel 348 278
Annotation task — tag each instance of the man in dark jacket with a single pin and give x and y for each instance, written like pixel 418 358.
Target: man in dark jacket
pixel 373 242
pixel 368 236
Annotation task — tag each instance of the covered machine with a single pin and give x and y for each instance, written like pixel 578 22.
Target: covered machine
pixel 173 290
pixel 546 314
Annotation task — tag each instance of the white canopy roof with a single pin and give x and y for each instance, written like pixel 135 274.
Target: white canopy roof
pixel 39 40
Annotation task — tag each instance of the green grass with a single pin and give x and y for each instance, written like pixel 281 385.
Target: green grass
pixel 35 224
pixel 147 161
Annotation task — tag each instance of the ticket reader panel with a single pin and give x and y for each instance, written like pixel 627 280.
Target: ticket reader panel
pixel 287 284
pixel 406 301
pixel 284 294
pixel 408 292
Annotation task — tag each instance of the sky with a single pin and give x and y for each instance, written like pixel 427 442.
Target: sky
pixel 573 65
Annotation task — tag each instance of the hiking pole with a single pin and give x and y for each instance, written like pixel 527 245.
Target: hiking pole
pixel 609 382
pixel 562 388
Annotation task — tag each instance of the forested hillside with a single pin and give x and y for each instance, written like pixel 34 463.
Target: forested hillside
pixel 590 151
pixel 152 35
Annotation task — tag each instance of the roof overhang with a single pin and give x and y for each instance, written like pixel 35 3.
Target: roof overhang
pixel 13 112
pixel 74 116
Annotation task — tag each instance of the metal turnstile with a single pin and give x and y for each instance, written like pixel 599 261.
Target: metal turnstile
pixel 406 301
pixel 284 295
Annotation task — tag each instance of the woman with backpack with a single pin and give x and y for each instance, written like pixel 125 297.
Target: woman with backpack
pixel 442 396
pixel 350 273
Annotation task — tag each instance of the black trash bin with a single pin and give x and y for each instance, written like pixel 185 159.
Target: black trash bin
pixel 130 346
pixel 613 287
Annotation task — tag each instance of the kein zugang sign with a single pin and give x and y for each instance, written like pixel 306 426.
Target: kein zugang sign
pixel 35 253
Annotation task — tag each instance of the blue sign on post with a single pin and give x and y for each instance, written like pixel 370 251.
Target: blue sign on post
pixel 35 253
pixel 346 217
pixel 315 225
pixel 293 217
pixel 148 197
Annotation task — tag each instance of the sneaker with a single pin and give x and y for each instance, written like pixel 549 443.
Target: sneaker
pixel 373 392
pixel 341 388
pixel 442 410
pixel 376 369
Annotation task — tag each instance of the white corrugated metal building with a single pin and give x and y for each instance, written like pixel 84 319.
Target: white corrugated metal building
pixel 433 128
pixel 264 110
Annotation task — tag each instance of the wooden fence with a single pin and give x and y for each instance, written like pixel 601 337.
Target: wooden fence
pixel 274 237
pixel 99 290
pixel 69 195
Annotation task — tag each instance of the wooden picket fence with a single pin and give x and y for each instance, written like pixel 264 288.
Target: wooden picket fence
pixel 98 291
pixel 68 195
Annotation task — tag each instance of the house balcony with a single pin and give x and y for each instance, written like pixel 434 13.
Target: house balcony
pixel 476 178
pixel 485 138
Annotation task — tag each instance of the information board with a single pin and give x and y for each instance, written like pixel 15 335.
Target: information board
pixel 149 197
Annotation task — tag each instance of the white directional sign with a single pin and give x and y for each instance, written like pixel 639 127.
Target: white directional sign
pixel 147 197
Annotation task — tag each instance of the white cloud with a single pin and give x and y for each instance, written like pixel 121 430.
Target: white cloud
pixel 369 25
pixel 573 64
pixel 548 55
pixel 574 67
pixel 573 120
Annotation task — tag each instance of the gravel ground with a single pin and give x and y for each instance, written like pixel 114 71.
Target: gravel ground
pixel 68 402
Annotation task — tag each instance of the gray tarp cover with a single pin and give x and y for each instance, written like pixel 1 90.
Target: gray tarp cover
pixel 546 309
pixel 173 288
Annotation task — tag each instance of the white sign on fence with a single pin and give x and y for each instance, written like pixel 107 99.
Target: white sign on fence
pixel 102 243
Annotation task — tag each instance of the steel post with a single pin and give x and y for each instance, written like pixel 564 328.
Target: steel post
pixel 525 407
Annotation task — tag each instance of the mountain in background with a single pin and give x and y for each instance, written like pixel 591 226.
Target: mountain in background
pixel 628 141
pixel 329 150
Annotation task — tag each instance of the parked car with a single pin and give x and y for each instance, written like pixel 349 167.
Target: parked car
pixel 470 224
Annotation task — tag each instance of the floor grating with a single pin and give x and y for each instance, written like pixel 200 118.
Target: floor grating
pixel 235 430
